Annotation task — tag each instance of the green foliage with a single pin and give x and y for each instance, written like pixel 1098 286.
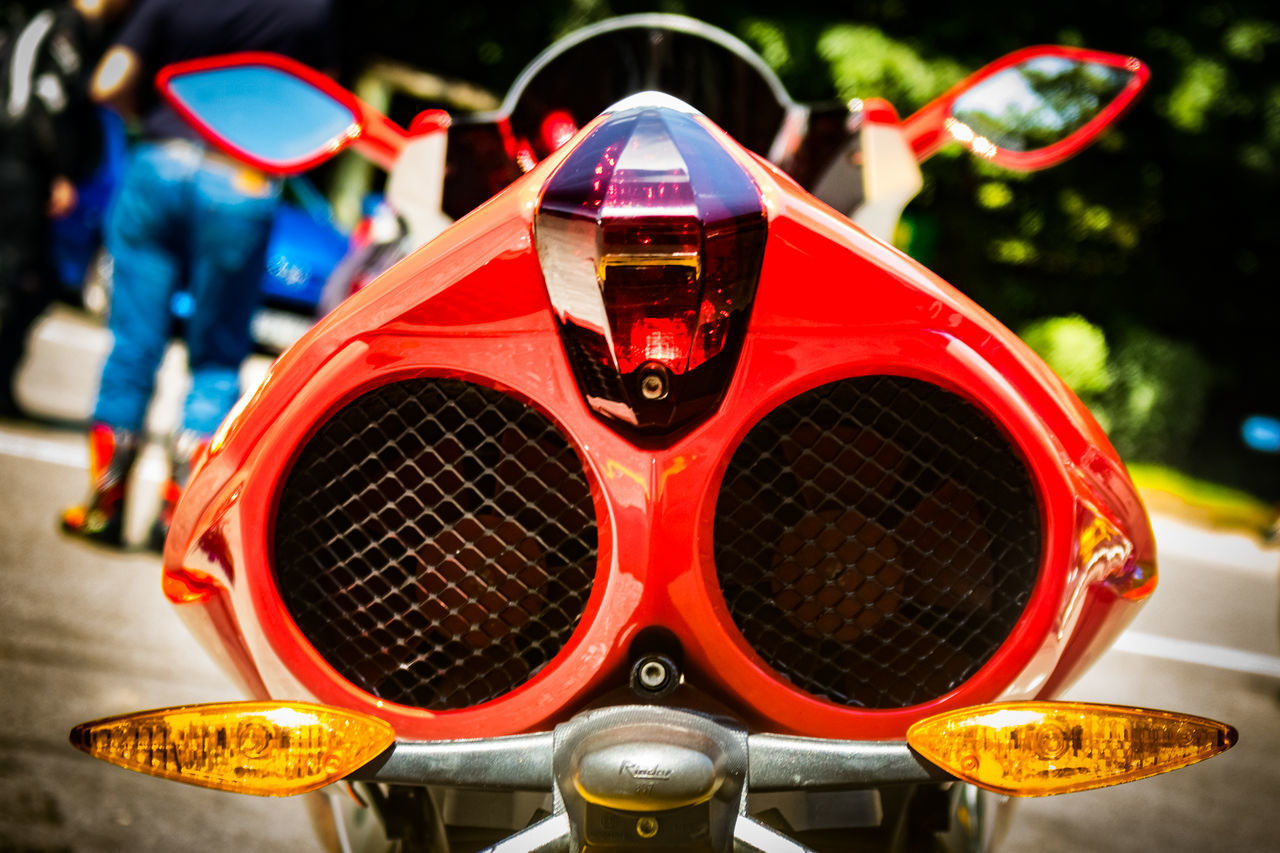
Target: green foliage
pixel 1076 350
pixel 1157 401
pixel 863 61
pixel 1249 39
pixel 1198 91
pixel 1148 393
pixel 995 195
pixel 770 41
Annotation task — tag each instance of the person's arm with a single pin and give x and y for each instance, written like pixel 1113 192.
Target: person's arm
pixel 121 80
pixel 115 80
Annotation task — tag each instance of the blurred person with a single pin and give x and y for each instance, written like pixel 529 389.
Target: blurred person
pixel 186 215
pixel 49 139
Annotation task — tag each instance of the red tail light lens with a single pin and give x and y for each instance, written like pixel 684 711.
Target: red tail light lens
pixel 651 238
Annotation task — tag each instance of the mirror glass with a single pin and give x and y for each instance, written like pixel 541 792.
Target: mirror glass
pixel 1034 104
pixel 265 112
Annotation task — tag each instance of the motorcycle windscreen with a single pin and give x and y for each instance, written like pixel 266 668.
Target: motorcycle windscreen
pixel 586 78
pixel 588 71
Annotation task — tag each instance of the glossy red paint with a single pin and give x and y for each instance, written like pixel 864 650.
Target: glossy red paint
pixel 832 303
pixel 372 133
pixel 927 130
pixel 879 111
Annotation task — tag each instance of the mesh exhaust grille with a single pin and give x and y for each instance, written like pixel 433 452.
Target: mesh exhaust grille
pixel 435 542
pixel 876 540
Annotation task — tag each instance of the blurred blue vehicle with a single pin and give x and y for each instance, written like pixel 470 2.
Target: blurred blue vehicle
pixel 1261 433
pixel 304 247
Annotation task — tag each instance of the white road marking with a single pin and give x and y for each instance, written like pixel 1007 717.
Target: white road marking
pixel 1204 654
pixel 72 453
pixel 54 452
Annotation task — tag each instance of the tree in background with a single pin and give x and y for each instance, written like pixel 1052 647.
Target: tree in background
pixel 1159 235
pixel 1148 392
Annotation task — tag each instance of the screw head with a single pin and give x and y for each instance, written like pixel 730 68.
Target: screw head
pixel 653 674
pixel 654 384
pixel 647 827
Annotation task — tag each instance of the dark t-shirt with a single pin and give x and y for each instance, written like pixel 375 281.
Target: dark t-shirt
pixel 165 31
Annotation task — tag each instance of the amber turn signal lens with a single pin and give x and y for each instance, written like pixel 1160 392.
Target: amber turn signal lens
pixel 1034 749
pixel 272 749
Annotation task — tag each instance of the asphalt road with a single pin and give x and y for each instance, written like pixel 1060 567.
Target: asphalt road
pixel 86 633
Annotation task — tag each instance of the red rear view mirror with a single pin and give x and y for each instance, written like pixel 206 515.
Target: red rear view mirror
pixel 274 113
pixel 1031 109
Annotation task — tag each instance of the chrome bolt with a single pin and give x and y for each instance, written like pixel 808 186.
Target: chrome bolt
pixel 653 384
pixel 653 674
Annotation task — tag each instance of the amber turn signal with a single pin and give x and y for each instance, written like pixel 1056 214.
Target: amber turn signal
pixel 1034 749
pixel 272 749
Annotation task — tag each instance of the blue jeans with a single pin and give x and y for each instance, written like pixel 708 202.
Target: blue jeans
pixel 183 217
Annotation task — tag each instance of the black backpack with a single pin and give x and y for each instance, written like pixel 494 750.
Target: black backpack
pixel 27 128
pixel 21 34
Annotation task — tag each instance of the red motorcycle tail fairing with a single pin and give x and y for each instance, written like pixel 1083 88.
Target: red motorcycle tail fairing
pixel 656 502
pixel 895 509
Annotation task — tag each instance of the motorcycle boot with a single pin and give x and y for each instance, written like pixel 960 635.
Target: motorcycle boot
pixel 100 519
pixel 185 447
